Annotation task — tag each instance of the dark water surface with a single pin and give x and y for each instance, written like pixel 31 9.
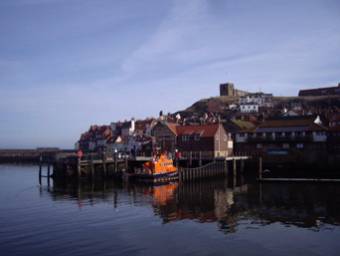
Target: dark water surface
pixel 204 218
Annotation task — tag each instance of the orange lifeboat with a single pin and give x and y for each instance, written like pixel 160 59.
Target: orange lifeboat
pixel 160 169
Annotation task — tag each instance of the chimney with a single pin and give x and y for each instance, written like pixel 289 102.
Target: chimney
pixel 132 128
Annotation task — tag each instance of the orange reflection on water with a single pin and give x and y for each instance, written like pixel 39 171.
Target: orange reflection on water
pixel 164 193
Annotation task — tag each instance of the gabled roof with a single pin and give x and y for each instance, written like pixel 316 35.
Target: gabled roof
pixel 172 127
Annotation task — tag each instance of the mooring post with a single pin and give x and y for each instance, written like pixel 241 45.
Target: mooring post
pixel 104 166
pixel 115 162
pixel 234 172
pixel 48 175
pixel 78 168
pixel 200 159
pixel 48 169
pixel 242 165
pixel 127 163
pixel 190 159
pixel 260 168
pixel 92 167
pixel 40 169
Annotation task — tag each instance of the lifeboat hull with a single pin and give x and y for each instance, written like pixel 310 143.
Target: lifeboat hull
pixel 158 177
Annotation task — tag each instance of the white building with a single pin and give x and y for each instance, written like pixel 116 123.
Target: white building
pixel 128 128
pixel 249 108
pixel 260 99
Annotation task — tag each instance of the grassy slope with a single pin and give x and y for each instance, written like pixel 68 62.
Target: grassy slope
pixel 219 104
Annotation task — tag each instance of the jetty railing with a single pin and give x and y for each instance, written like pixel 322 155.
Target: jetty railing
pixel 218 167
pixel 211 169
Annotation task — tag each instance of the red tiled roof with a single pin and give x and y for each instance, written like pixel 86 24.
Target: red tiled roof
pixel 172 127
pixel 208 130
pixel 306 122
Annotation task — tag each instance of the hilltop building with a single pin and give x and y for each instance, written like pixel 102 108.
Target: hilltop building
pixel 251 102
pixel 321 91
pixel 228 89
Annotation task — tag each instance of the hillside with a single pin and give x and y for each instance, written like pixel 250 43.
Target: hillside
pixel 221 105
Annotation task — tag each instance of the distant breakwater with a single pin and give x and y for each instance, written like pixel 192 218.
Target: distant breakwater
pixel 33 155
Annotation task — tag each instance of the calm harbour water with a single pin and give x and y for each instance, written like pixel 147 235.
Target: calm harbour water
pixel 204 218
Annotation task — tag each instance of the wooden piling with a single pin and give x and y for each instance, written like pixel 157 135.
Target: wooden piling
pixel 190 158
pixel 127 163
pixel 200 159
pixel 48 170
pixel 40 175
pixel 115 162
pixel 234 173
pixel 260 168
pixel 78 168
pixel 92 169
pixel 242 165
pixel 104 167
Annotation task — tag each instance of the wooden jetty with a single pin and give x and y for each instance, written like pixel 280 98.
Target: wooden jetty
pixel 102 166
pixel 95 166
pixel 219 167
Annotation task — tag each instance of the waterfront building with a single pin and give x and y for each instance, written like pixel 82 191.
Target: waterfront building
pixel 301 136
pixel 165 135
pixel 334 136
pixel 96 138
pixel 206 141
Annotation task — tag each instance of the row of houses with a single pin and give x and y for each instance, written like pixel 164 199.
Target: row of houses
pixel 307 137
pixel 129 137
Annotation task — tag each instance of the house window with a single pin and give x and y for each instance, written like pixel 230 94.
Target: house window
pixel 285 145
pixel 185 138
pixel 299 145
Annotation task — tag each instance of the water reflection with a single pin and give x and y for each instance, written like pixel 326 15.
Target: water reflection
pixel 304 205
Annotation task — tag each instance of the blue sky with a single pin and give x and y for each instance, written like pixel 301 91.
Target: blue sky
pixel 67 64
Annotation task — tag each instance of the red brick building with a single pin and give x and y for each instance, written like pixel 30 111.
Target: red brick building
pixel 195 141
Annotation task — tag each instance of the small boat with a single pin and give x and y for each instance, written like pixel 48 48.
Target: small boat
pixel 160 169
